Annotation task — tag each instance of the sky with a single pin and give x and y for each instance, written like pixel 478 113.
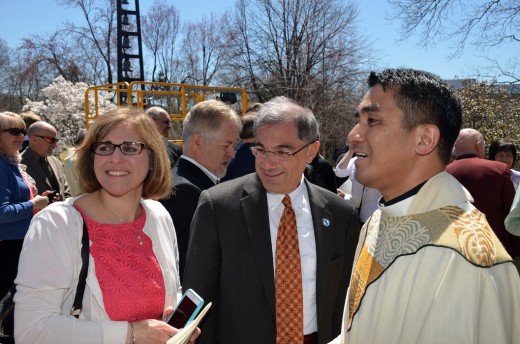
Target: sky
pixel 21 18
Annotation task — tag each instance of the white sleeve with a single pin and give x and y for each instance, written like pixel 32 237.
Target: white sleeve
pixel 47 278
pixel 341 172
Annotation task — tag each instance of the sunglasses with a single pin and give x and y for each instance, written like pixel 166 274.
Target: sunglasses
pixel 49 140
pixel 15 131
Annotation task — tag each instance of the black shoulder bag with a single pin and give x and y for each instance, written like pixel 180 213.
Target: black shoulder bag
pixel 7 304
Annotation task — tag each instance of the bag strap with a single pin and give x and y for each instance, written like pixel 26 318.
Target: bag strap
pixel 6 306
pixel 80 291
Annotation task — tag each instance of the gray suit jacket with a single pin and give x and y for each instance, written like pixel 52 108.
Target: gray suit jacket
pixel 230 261
pixel 31 160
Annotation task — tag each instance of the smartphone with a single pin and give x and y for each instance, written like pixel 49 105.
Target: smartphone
pixel 186 310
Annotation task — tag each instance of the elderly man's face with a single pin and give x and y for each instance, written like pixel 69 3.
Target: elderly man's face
pixel 385 150
pixel 163 123
pixel 41 142
pixel 216 154
pixel 282 176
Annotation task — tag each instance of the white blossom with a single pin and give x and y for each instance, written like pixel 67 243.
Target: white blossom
pixel 64 108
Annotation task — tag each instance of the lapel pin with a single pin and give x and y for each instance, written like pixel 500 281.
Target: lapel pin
pixel 325 222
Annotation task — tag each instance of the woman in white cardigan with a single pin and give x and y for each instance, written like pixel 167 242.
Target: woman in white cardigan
pixel 132 283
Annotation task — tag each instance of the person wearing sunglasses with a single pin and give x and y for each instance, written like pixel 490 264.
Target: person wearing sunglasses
pixel 132 282
pixel 18 201
pixel 42 166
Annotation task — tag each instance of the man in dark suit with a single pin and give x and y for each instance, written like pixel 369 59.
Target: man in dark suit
pixel 163 123
pixel 209 134
pixel 234 253
pixel 42 166
pixel 489 182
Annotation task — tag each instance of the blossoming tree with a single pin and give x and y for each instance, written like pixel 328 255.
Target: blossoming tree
pixel 64 108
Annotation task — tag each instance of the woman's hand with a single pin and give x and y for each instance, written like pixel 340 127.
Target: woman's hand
pixel 39 202
pixel 150 331
pixel 169 311
pixel 194 336
pixel 154 331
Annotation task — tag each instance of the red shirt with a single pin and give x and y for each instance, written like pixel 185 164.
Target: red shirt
pixel 129 275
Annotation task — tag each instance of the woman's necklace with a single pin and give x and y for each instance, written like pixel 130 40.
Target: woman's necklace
pixel 120 220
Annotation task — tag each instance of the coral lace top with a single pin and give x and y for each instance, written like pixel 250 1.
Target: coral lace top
pixel 130 277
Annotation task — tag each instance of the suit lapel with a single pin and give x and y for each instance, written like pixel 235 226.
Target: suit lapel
pixel 323 222
pixel 254 207
pixel 194 174
pixel 56 172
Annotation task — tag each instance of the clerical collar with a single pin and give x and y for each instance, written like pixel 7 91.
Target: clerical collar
pixel 404 196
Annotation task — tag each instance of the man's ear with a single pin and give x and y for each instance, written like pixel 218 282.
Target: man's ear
pixel 196 141
pixel 314 148
pixel 481 149
pixel 428 136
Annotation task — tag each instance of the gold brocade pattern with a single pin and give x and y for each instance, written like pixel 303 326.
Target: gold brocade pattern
pixel 389 237
pixel 367 270
pixel 477 242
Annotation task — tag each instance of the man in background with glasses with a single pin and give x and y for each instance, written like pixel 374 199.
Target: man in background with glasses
pixel 272 251
pixel 42 166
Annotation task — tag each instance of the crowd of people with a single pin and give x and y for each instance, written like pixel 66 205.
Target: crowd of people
pixel 412 237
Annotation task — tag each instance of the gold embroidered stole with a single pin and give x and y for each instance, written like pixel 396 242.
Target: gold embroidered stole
pixel 389 237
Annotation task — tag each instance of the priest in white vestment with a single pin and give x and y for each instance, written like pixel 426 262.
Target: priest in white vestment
pixel 428 267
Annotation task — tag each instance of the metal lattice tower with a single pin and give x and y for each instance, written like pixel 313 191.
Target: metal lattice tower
pixel 129 45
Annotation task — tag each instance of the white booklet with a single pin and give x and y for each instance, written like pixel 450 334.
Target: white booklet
pixel 184 335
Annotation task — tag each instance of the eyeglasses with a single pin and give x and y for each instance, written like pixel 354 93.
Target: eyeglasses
pixel 127 148
pixel 49 140
pixel 16 131
pixel 262 153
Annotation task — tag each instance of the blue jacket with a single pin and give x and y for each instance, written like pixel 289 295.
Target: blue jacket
pixel 244 163
pixel 16 210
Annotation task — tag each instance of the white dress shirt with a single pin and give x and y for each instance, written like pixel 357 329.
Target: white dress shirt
pixel 204 169
pixel 364 199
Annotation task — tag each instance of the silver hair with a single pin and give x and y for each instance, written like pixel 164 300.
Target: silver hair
pixel 281 110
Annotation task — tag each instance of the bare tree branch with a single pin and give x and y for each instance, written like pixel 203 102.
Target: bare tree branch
pixel 485 24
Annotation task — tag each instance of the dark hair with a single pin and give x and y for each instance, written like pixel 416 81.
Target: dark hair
pixel 248 122
pixel 424 99
pixel 29 118
pixel 253 107
pixel 157 183
pixel 502 145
